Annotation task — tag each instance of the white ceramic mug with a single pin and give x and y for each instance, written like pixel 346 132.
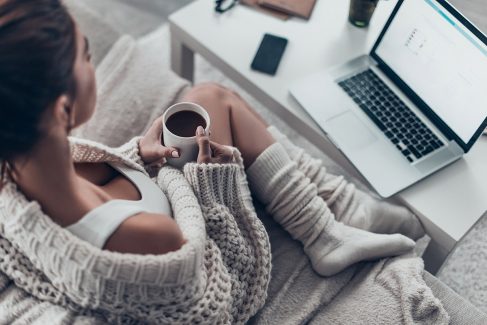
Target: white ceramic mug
pixel 187 146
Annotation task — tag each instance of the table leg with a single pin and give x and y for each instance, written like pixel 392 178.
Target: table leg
pixel 434 256
pixel 182 59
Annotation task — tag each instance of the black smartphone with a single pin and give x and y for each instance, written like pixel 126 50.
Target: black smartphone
pixel 269 54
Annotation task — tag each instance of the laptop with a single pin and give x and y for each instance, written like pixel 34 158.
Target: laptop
pixel 415 104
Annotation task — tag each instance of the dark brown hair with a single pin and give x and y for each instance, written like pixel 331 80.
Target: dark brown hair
pixel 37 55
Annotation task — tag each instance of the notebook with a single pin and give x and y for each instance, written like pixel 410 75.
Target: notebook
pixel 255 4
pixel 299 8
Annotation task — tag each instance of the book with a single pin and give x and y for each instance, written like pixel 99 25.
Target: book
pixel 299 8
pixel 255 4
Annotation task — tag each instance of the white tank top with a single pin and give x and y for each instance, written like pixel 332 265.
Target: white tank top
pixel 100 223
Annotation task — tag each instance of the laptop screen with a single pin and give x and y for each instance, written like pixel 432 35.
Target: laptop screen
pixel 441 60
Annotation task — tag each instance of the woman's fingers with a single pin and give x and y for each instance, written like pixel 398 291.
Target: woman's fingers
pixel 155 131
pixel 211 152
pixel 204 155
pixel 222 154
pixel 155 153
pixel 168 152
pixel 151 148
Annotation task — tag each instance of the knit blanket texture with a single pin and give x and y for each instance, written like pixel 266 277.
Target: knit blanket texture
pixel 220 276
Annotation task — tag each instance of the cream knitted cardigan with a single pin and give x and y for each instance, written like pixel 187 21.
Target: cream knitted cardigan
pixel 219 276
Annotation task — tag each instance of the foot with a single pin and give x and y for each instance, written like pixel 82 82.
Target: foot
pixel 367 213
pixel 342 246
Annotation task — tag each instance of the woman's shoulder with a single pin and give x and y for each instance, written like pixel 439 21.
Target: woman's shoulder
pixel 146 233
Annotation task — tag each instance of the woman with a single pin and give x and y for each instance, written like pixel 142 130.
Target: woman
pixel 104 196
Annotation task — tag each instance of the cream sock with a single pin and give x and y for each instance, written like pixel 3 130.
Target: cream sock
pixel 293 201
pixel 350 205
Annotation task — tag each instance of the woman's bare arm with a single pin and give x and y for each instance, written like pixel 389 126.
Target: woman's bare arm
pixel 146 233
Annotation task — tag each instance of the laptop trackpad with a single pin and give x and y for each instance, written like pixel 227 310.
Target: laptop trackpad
pixel 349 131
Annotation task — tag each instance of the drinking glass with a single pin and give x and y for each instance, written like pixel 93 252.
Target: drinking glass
pixel 361 11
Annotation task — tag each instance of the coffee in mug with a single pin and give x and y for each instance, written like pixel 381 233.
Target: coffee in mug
pixel 185 123
pixel 180 122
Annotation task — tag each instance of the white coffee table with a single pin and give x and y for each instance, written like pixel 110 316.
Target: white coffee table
pixel 449 202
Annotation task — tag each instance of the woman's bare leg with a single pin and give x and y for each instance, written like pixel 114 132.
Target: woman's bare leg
pixel 233 122
pixel 331 246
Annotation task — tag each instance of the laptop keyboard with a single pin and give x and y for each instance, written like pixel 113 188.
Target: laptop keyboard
pixel 403 128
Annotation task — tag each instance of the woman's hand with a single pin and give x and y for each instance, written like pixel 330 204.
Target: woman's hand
pixel 151 149
pixel 211 152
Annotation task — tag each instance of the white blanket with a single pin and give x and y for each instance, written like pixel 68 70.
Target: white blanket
pixel 390 291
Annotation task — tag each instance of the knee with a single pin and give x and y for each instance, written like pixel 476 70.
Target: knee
pixel 209 92
pixel 214 98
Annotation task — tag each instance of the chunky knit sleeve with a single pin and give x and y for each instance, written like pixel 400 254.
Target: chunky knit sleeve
pixel 130 151
pixel 52 264
pixel 219 276
pixel 225 199
pixel 89 151
pixel 215 184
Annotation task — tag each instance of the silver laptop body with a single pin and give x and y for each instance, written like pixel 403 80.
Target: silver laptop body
pixel 450 125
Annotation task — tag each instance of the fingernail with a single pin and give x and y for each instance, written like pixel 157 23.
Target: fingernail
pixel 175 154
pixel 200 130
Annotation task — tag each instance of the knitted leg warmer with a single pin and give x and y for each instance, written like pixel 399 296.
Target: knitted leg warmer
pixel 350 205
pixel 293 201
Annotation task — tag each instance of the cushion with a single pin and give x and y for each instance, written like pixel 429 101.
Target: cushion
pixel 135 86
pixel 101 35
